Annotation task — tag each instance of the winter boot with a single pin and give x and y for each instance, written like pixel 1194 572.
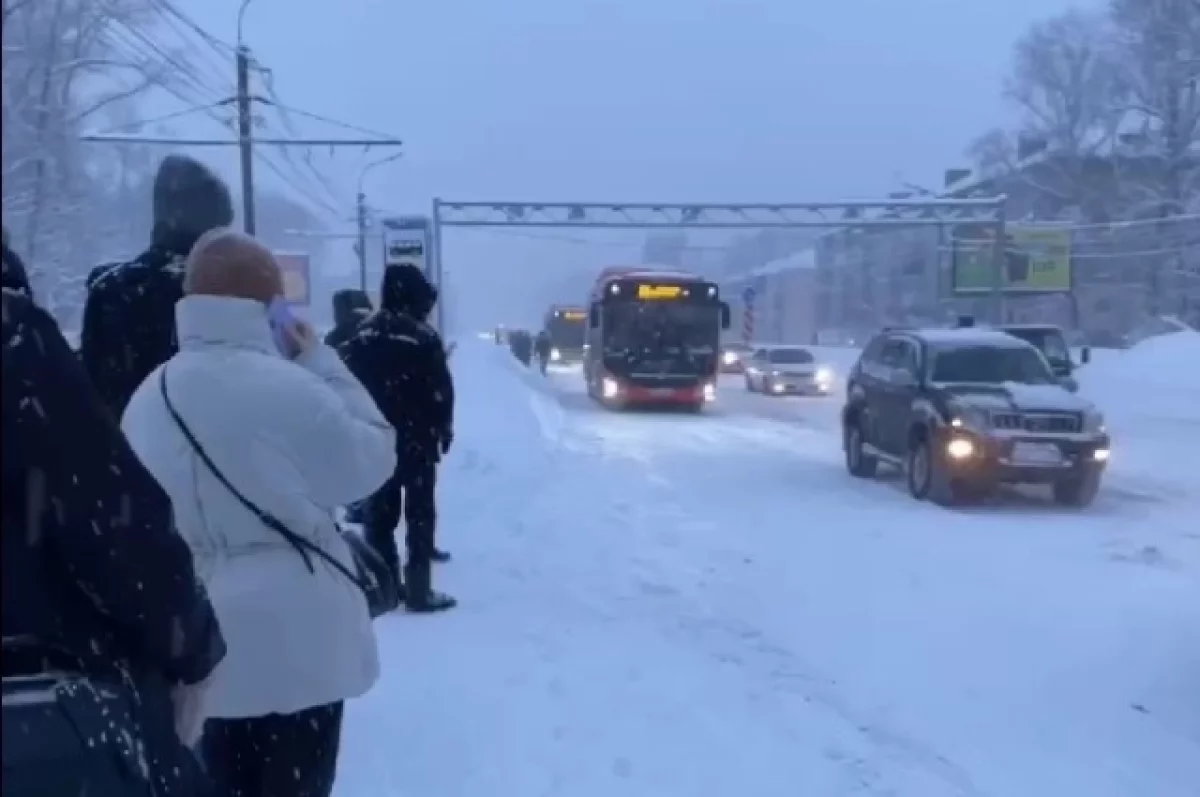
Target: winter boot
pixel 419 597
pixel 440 556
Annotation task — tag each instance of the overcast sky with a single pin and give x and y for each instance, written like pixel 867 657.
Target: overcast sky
pixel 611 100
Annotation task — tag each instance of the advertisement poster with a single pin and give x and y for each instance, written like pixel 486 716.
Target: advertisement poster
pixel 406 241
pixel 1037 260
pixel 296 277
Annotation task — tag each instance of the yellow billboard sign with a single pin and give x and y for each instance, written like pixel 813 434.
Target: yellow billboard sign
pixel 1036 260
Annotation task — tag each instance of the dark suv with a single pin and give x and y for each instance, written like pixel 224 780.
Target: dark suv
pixel 964 410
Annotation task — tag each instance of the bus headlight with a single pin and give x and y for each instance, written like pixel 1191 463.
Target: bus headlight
pixel 729 357
pixel 710 392
pixel 555 355
pixel 610 388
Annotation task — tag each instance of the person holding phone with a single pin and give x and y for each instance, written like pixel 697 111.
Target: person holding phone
pixel 257 432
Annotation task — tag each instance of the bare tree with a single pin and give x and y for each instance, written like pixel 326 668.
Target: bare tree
pixel 1067 82
pixel 1159 41
pixel 64 63
pixel 1159 45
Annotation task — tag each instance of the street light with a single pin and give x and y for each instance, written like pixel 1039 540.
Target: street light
pixel 362 216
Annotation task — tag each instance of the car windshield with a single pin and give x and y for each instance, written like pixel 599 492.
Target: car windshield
pixel 1050 342
pixel 790 357
pixel 991 365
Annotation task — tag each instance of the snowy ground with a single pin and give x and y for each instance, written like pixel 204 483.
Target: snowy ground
pixel 679 606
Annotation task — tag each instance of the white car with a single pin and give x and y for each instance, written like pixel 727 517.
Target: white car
pixel 780 370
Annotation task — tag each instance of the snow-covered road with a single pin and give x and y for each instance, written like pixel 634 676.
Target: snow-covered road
pixel 684 606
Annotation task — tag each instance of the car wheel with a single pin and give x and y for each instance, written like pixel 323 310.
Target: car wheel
pixel 858 462
pixel 1078 490
pixel 927 479
pixel 918 470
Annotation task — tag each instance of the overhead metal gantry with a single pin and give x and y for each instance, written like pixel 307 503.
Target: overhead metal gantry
pixel 987 212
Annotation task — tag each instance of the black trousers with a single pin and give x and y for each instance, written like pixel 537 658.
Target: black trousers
pixel 279 755
pixel 414 496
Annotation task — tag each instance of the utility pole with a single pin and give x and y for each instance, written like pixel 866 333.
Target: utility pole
pixel 245 139
pixel 361 246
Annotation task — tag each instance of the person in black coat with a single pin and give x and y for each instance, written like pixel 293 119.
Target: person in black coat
pixel 129 316
pixel 542 345
pixel 401 361
pixel 351 307
pixel 16 277
pixel 97 586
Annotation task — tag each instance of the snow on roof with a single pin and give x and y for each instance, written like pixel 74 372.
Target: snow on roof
pixel 970 336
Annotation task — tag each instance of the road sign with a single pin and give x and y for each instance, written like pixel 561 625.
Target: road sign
pixel 748 296
pixel 406 241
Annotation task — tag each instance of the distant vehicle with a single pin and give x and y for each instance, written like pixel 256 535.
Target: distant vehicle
pixel 782 370
pixel 962 411
pixel 1051 341
pixel 566 326
pixel 733 358
pixel 653 337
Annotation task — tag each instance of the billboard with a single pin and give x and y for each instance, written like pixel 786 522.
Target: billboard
pixel 1036 260
pixel 297 280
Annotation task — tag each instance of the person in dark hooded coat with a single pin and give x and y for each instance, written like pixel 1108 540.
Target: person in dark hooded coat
pixel 351 307
pixel 129 317
pixel 401 361
pixel 101 605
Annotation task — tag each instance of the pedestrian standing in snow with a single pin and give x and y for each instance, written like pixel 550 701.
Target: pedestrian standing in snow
pixel 108 636
pixel 258 432
pixel 350 308
pixel 401 361
pixel 129 316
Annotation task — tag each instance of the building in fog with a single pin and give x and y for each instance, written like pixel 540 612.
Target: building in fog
pixel 774 303
pixel 1119 272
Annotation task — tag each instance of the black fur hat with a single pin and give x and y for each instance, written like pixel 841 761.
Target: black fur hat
pixel 405 289
pixel 189 200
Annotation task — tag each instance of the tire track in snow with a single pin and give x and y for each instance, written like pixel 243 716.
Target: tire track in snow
pixel 731 640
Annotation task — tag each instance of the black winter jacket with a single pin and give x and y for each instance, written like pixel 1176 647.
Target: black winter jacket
pixel 350 308
pixel 129 316
pixel 401 361
pixel 93 573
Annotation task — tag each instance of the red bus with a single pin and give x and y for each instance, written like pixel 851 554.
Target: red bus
pixel 653 338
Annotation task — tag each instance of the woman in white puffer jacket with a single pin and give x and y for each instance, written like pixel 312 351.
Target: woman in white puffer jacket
pixel 293 431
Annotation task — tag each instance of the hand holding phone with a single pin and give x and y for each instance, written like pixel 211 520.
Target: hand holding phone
pixel 293 336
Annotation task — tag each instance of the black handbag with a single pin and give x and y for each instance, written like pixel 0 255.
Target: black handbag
pixel 372 575
pixel 68 733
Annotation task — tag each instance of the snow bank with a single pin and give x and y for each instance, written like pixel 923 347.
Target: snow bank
pixel 1158 379
pixel 541 397
pixel 1150 395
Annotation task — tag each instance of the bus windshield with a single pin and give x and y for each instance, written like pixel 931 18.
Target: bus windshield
pixel 666 327
pixel 566 333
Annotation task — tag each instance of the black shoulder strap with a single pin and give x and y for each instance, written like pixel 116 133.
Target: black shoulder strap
pixel 302 545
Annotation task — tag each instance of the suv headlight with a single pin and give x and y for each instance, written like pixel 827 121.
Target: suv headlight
pixel 1093 421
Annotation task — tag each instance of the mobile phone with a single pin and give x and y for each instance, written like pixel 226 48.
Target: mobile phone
pixel 281 318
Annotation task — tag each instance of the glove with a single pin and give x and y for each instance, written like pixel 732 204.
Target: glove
pixel 446 441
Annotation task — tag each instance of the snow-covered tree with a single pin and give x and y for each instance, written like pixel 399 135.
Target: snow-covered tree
pixel 1068 87
pixel 1159 47
pixel 66 65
